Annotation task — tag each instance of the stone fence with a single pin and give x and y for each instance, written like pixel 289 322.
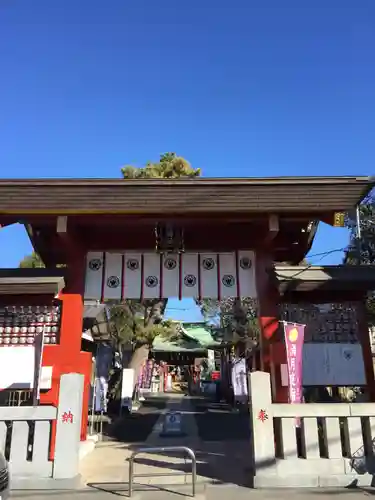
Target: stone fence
pixel 26 434
pixel 312 444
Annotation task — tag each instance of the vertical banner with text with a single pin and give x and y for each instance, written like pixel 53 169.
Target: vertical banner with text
pixel 294 338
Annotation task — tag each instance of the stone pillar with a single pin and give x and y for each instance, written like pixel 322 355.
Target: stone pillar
pixel 273 353
pixel 68 426
pixel 261 415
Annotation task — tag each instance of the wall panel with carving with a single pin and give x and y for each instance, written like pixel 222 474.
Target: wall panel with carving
pixel 334 323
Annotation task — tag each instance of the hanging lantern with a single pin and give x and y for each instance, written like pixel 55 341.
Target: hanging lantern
pixel 169 239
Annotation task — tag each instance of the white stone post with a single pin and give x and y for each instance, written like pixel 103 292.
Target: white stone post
pixel 261 414
pixel 68 426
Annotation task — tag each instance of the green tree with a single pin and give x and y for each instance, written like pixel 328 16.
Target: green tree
pixel 139 322
pixel 362 250
pixel 169 166
pixel 236 319
pixel 134 325
pixel 31 261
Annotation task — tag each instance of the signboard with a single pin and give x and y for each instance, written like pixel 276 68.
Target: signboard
pixel 17 366
pixel 330 365
pixel 172 425
pixel 333 365
pixel 339 219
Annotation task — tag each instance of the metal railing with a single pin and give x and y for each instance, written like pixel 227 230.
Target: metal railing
pixel 163 449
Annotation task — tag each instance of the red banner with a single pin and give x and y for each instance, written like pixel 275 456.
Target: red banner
pixel 294 338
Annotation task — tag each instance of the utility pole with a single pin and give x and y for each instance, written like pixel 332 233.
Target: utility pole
pixel 358 235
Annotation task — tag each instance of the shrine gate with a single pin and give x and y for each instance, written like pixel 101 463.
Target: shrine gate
pixel 159 238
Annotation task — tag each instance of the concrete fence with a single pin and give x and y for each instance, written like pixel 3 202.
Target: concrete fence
pixel 312 444
pixel 26 434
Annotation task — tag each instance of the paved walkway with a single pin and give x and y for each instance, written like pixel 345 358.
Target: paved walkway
pixel 222 466
pixel 206 492
pixel 217 462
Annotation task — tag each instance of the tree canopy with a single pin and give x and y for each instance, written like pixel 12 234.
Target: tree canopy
pixel 169 166
pixel 137 323
pixel 236 319
pixel 362 250
pixel 31 261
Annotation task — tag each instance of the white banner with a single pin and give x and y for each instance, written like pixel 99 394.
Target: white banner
pixel 127 387
pixel 101 391
pixel 239 381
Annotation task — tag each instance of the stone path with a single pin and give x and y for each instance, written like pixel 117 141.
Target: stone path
pixel 207 492
pixel 217 462
pixel 222 466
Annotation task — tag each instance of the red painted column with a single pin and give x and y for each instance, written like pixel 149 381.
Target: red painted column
pixel 83 361
pixel 273 352
pixel 66 357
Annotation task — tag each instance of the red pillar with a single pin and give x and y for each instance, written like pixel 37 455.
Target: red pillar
pixel 273 352
pixel 66 357
pixel 83 362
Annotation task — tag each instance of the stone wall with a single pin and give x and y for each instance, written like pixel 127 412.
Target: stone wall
pixel 26 432
pixel 311 444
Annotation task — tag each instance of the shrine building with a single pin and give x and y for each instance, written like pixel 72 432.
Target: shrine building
pixel 194 238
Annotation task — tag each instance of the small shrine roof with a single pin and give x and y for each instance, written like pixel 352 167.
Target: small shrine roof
pixel 30 281
pixel 325 278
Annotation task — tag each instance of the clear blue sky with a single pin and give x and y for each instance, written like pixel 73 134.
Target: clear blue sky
pixel 240 88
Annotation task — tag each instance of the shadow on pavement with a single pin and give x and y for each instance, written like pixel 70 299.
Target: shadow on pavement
pixel 122 489
pixel 219 422
pixel 136 427
pixel 222 447
pixel 217 463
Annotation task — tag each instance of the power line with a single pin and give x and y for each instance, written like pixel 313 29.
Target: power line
pixel 328 252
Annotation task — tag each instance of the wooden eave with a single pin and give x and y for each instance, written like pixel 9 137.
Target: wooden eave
pixel 315 195
pixel 31 282
pixel 101 206
pixel 210 234
pixel 338 279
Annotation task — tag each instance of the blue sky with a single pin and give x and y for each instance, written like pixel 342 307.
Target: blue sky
pixel 240 88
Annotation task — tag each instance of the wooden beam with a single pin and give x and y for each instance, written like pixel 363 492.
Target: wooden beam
pixel 273 228
pixel 69 239
pixel 62 224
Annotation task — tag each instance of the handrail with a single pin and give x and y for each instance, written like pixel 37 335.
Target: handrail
pixel 163 449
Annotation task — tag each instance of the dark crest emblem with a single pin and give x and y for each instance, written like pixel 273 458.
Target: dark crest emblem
pixel 228 280
pixel 132 264
pixel 170 264
pixel 208 264
pixel 151 281
pixel 113 282
pixel 190 280
pixel 347 355
pixel 95 264
pixel 245 263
